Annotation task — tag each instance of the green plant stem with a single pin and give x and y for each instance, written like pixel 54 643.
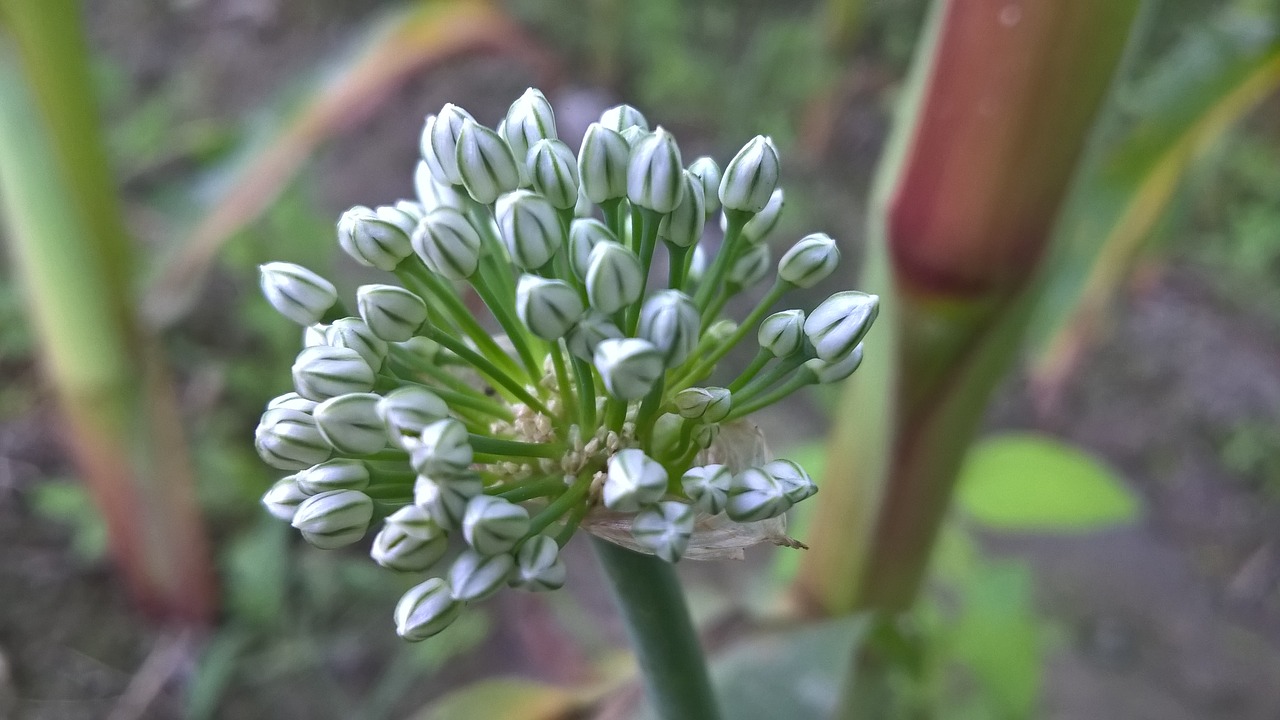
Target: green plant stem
pixel 677 265
pixel 515 448
pixel 486 368
pixel 707 364
pixel 648 239
pixel 712 281
pixel 586 393
pixel 419 279
pixel 761 359
pixel 484 287
pixel 652 605
pixel 541 487
pixel 562 381
pixel 569 499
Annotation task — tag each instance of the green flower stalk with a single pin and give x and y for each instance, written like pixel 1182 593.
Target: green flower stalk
pixel 597 405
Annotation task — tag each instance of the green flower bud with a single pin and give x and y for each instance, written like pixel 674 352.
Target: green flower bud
pixel 553 171
pixel 340 474
pixel 391 313
pixel 426 610
pixel 602 164
pixel 475 577
pixel 448 243
pixel 485 162
pixel 492 525
pixel 350 423
pixel 592 328
pixel 395 549
pixel 445 501
pixel 333 519
pixel 759 228
pixel 440 143
pixel 549 308
pixel 283 499
pixel 655 173
pixel 353 334
pixel 530 229
pixel 708 487
pixel 442 450
pixel 750 177
pixel 416 522
pixel 633 481
pixel 670 320
pixel 809 261
pixel 621 117
pixel 705 434
pixel 290 440
pixel 683 226
pixel 296 292
pixel 782 333
pixel 755 495
pixel 584 235
pixel 292 401
pixel 431 194
pixel 628 366
pixel 538 565
pixel 826 371
pixel 373 240
pixel 615 277
pixel 719 332
pixel 664 529
pixel 796 483
pixel 752 267
pixel 529 119
pixel 708 174
pixel 406 410
pixel 705 404
pixel 837 325
pixel 665 440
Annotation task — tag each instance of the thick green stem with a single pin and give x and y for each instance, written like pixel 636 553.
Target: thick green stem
pixel 652 604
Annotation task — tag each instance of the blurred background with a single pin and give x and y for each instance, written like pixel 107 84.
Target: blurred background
pixel 237 131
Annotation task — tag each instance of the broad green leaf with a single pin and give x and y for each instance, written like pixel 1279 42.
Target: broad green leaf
pixel 1033 482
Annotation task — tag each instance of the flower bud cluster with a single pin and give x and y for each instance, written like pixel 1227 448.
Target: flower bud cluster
pixel 472 447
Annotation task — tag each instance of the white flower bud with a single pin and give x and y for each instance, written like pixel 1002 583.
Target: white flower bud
pixel 750 177
pixel 492 525
pixel 529 119
pixel 391 313
pixel 448 243
pixel 296 292
pixel 615 277
pixel 538 565
pixel 340 474
pixel 416 522
pixel 485 163
pixel 334 519
pixel 634 481
pixel 475 577
pixel 683 226
pixel 283 499
pixel 759 228
pixel 708 487
pixel 782 333
pixel 440 143
pixel 553 171
pixel 445 501
pixel 530 229
pixel 670 320
pixel 583 207
pixel 634 134
pixel 708 174
pixel 292 401
pixel 621 117
pixel 289 440
pixel 431 194
pixel 584 235
pixel 628 367
pixel 697 267
pixel 442 450
pixel 796 483
pixel 705 404
pixel 750 268
pixel 317 334
pixel 426 610
pixel 655 173
pixel 408 409
pixel 602 164
pixel 404 214
pixel 396 549
pixel 549 308
pixel 755 495
pixel 353 334
pixel 373 240
pixel 809 261
pixel 591 329
pixel 350 423
pixel 837 325
pixel 826 371
pixel 664 529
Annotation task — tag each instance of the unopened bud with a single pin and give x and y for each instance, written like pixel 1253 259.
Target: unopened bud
pixel 553 171
pixel 373 240
pixel 591 329
pixel 796 483
pixel 584 235
pixel 634 481
pixel 655 173
pixel 350 423
pixel 683 226
pixel 670 320
pixel 431 193
pixel 628 367
pixel 708 487
pixel 448 243
pixel 396 549
pixel 292 401
pixel 426 610
pixel 408 409
pixel 492 525
pixel 665 529
pixel 708 174
pixel 442 450
pixel 339 474
pixel 529 119
pixel 837 325
pixel 750 268
pixel 782 333
pixel 283 499
pixel 391 313
pixel 750 177
pixel 445 501
pixel 530 229
pixel 615 277
pixel 621 117
pixel 440 143
pixel 826 372
pixel 485 163
pixel 538 565
pixel 755 495
pixel 475 577
pixel 759 228
pixel 602 164
pixel 296 292
pixel 334 519
pixel 352 333
pixel 290 440
pixel 809 261
pixel 549 308
pixel 705 404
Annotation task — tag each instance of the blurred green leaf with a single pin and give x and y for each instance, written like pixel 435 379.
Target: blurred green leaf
pixel 997 638
pixel 505 699
pixel 812 457
pixel 1033 482
pixel 214 671
pixel 256 569
pixel 68 503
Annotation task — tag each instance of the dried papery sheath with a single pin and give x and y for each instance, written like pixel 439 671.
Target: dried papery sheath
pixel 354 334
pixel 538 565
pixel 621 117
pixel 290 440
pixel 628 367
pixel 447 243
pixel 391 313
pixel 752 267
pixel 334 519
pixel 809 261
pixel 705 404
pixel 756 495
pixel 825 371
pixel 655 173
pixel 552 169
pixel 296 292
pixel 584 235
pixel 548 308
pixel 796 483
pixel 602 164
pixel 634 481
pixel 485 163
pixel 475 576
pixel 750 177
pixel 530 229
pixel 442 450
pixel 708 174
pixel 406 410
pixel 351 424
pixel 759 228
pixel 782 333
pixel 340 474
pixel 373 240
pixel 492 525
pixel 440 143
pixel 426 610
pixel 670 321
pixel 615 277
pixel 529 119
pixel 665 529
pixel 837 325
pixel 431 194
pixel 683 227
pixel 283 499
pixel 708 487
pixel 587 334
pixel 395 549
